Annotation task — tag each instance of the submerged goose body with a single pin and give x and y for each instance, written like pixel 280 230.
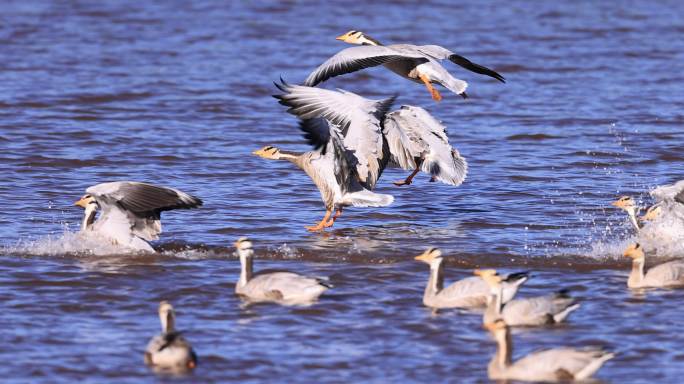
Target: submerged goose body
pixel 418 63
pixel 281 287
pixel 169 350
pixel 533 311
pixel 130 212
pixel 670 274
pixel 471 292
pixel 551 365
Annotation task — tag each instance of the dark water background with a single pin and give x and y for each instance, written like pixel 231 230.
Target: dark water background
pixel 179 94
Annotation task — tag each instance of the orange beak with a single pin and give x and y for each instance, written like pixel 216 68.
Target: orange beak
pixel 341 37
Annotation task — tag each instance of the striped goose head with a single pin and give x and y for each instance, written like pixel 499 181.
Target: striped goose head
pixel 167 317
pixel 624 202
pixel 652 213
pixel 85 200
pixel 357 37
pixel 244 247
pixel 490 276
pixel 268 152
pixel 429 256
pixel 635 251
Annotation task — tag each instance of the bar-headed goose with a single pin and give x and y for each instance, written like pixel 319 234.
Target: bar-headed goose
pixel 281 287
pixel 551 365
pixel 419 63
pixel 169 351
pixel 130 212
pixel 532 311
pixel 670 274
pixel 470 292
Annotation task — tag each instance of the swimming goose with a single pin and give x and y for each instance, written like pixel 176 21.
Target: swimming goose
pixel 419 142
pixel 470 292
pixel 668 274
pixel 551 365
pixel 281 287
pixel 169 350
pixel 533 311
pixel 419 63
pixel 130 211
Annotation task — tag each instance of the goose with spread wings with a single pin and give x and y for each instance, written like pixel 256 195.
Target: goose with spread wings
pixel 355 139
pixel 130 212
pixel 418 63
pixel 348 156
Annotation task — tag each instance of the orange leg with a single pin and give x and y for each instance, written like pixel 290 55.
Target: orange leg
pixel 338 213
pixel 322 224
pixel 413 174
pixel 435 95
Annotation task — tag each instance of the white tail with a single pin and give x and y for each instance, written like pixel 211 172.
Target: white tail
pixel 454 85
pixel 366 198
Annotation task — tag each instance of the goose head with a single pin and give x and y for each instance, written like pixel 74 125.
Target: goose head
pixel 167 317
pixel 652 213
pixel 624 202
pixel 635 251
pixel 244 248
pixel 85 201
pixel 490 276
pixel 268 152
pixel 357 37
pixel 431 256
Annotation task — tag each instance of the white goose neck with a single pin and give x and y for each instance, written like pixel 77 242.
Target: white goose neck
pixel 246 264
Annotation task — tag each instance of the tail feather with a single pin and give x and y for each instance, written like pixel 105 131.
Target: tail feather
pixel 366 198
pixel 455 85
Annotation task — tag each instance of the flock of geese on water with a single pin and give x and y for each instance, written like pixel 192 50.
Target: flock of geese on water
pixel 354 139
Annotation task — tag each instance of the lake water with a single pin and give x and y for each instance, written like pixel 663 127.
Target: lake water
pixel 180 94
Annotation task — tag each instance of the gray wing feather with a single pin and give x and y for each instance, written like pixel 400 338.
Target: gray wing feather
pixel 413 133
pixel 356 58
pixel 142 203
pixel 358 120
pixel 441 53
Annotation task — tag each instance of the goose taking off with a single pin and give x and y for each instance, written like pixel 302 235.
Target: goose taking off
pixel 419 63
pixel 281 287
pixel 669 202
pixel 470 292
pixel 670 274
pixel 551 365
pixel 348 156
pixel 533 311
pixel 169 351
pixel 419 142
pixel 130 211
pixel 354 140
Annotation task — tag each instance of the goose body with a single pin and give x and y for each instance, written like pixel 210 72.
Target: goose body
pixel 551 365
pixel 355 139
pixel 670 274
pixel 130 212
pixel 470 292
pixel 533 311
pixel 169 351
pixel 281 287
pixel 418 63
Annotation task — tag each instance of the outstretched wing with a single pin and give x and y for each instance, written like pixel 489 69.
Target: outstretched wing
pixel 412 133
pixel 356 58
pixel 142 203
pixel 441 53
pixel 357 119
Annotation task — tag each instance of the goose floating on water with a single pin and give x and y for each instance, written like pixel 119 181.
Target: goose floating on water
pixel 130 211
pixel 169 350
pixel 355 139
pixel 471 292
pixel 551 365
pixel 670 274
pixel 419 63
pixel 533 311
pixel 281 287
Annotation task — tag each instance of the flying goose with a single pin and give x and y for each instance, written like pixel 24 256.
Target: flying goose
pixel 354 140
pixel 419 142
pixel 169 350
pixel 533 311
pixel 281 287
pixel 130 211
pixel 348 156
pixel 668 274
pixel 470 292
pixel 669 200
pixel 551 365
pixel 419 63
